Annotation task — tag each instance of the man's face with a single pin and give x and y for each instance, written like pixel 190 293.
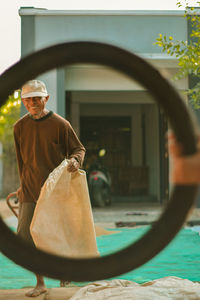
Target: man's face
pixel 35 105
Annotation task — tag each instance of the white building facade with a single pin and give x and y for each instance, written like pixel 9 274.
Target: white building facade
pixel 107 109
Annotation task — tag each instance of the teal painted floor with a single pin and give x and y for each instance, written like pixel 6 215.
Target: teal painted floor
pixel 180 258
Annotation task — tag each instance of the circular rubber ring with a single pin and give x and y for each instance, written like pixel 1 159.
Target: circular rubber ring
pixel 182 197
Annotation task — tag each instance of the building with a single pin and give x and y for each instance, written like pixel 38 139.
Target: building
pixel 108 110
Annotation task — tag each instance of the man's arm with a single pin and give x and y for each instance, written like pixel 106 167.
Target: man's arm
pixel 18 152
pixel 76 151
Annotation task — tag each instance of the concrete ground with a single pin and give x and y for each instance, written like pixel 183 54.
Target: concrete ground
pixel 117 215
pixel 135 214
pixel 51 294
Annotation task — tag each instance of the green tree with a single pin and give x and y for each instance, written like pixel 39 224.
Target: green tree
pixel 9 114
pixel 187 52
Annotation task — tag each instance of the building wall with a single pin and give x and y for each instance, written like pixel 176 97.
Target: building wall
pixel 135 31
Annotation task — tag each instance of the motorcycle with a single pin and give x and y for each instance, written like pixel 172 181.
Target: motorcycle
pixel 99 183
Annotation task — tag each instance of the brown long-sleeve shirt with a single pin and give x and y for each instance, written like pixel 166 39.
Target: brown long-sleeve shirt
pixel 41 145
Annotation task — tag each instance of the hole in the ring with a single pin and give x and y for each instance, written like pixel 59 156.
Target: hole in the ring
pixel 123 131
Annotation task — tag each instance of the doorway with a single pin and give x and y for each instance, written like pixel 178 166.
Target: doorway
pixel 112 134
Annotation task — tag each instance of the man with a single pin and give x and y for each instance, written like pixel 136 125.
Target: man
pixel 42 140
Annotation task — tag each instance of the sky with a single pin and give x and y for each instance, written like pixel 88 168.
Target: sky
pixel 10 20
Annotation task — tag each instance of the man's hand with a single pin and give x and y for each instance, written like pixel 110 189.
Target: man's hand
pixel 73 165
pixel 184 169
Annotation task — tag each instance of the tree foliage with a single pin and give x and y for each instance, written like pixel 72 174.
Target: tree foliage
pixel 9 114
pixel 187 52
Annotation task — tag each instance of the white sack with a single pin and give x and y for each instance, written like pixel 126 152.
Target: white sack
pixel 63 223
pixel 167 288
